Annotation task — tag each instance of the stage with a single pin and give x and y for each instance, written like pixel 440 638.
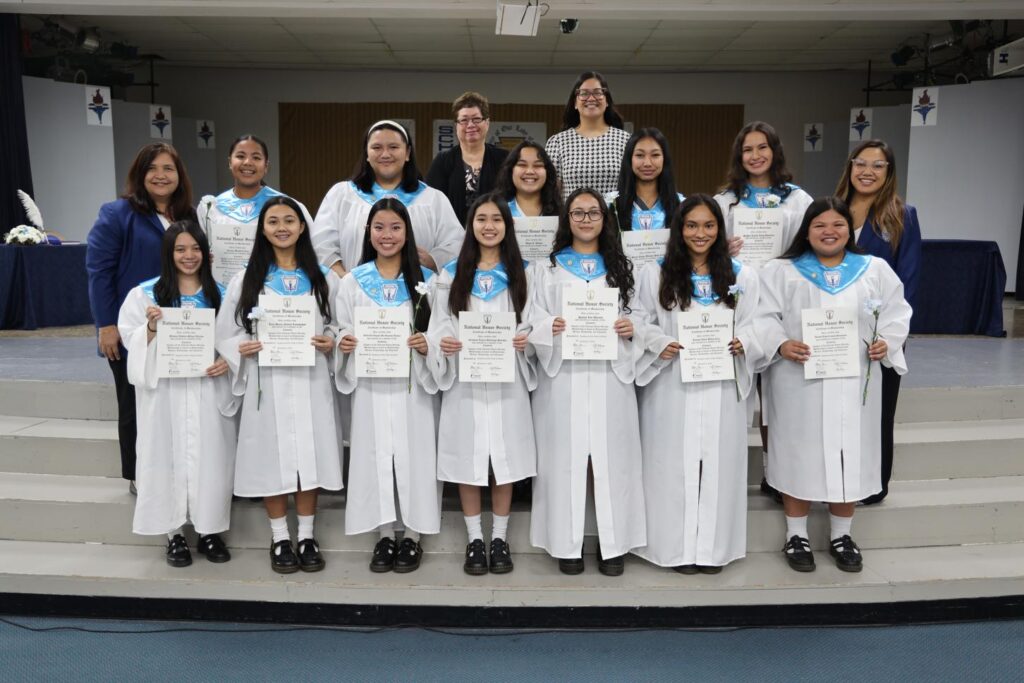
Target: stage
pixel 948 543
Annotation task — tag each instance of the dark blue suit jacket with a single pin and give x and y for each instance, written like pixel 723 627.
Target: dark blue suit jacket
pixel 123 250
pixel 907 259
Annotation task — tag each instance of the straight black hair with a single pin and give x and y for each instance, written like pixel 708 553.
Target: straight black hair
pixel 363 176
pixel 550 193
pixel 623 204
pixel 166 291
pixel 571 116
pixel 676 286
pixel 801 244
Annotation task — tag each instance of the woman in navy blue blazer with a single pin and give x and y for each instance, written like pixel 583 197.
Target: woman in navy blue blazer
pixel 124 250
pixel 886 227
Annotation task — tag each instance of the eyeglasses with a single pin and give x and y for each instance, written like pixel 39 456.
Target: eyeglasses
pixel 579 215
pixel 476 121
pixel 598 94
pixel 862 165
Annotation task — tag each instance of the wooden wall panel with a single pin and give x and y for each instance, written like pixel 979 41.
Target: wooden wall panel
pixel 322 142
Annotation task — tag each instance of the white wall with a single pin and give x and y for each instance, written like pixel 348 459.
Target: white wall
pixel 966 174
pixel 72 162
pixel 246 101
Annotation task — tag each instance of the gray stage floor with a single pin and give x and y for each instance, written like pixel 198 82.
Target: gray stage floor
pixel 934 361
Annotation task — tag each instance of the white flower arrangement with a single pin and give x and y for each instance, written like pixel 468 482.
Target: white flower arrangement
pixel 423 289
pixel 24 235
pixel 771 201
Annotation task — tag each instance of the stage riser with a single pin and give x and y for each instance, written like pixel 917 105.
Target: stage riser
pixel 76 400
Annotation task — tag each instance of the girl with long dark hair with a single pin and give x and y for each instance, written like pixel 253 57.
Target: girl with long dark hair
pixel 694 435
pixel 528 181
pixel 825 440
pixel 392 472
pixel 646 198
pixel 186 439
pixel 288 438
pixel 486 430
pixel 584 411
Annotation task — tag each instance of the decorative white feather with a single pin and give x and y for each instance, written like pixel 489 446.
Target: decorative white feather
pixel 31 210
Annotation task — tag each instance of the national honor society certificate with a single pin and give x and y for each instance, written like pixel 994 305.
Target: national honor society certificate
pixel 761 230
pixel 286 331
pixel 383 334
pixel 487 354
pixel 535 235
pixel 590 314
pixel 644 246
pixel 184 342
pixel 832 335
pixel 705 336
pixel 231 246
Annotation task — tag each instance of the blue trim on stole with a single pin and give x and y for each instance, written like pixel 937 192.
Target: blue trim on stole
pixel 244 210
pixel 289 282
pixel 703 293
pixel 756 197
pixel 832 280
pixel 377 193
pixel 514 209
pixel 652 218
pixel 385 293
pixel 197 300
pixel 487 284
pixel 584 266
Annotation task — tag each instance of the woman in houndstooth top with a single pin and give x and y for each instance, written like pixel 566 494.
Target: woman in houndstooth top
pixel 588 151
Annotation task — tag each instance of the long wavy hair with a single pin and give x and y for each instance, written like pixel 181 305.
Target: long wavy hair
pixel 571 117
pixel 802 244
pixel 887 206
pixel 469 257
pixel 676 286
pixel 411 273
pixel 736 176
pixel 166 291
pixel 262 258
pixel 363 176
pixel 609 245
pixel 550 193
pixel 180 205
pixel 623 204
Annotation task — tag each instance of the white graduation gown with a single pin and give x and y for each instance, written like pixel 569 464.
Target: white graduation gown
pixel 823 444
pixel 289 436
pixel 484 425
pixel 394 435
pixel 583 410
pixel 186 438
pixel 792 208
pixel 694 439
pixel 341 221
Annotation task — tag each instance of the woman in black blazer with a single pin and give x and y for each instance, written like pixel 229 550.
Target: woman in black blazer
pixel 470 169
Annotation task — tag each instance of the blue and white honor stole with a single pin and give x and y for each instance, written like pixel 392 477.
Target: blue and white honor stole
pixel 197 300
pixel 832 280
pixel 487 284
pixel 289 282
pixel 377 193
pixel 385 293
pixel 244 210
pixel 514 209
pixel 652 218
pixel 703 292
pixel 584 266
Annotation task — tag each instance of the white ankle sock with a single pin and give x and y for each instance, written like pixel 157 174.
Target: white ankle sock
pixel 386 531
pixel 279 528
pixel 474 528
pixel 414 535
pixel 796 526
pixel 500 527
pixel 306 526
pixel 172 534
pixel 839 526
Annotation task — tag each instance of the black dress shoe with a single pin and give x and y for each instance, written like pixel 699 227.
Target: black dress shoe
pixel 875 499
pixel 686 569
pixel 476 558
pixel 571 566
pixel 501 556
pixel 798 554
pixel 407 559
pixel 213 547
pixel 846 554
pixel 282 558
pixel 770 491
pixel 310 559
pixel 613 566
pixel 383 556
pixel 708 569
pixel 177 552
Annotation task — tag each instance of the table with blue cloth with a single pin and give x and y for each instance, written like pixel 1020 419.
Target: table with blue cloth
pixel 961 288
pixel 43 286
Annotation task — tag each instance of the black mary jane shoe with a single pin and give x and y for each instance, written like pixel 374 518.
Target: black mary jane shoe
pixel 310 559
pixel 501 556
pixel 770 491
pixel 798 554
pixel 846 554
pixel 407 559
pixel 571 566
pixel 613 566
pixel 687 569
pixel 476 558
pixel 708 569
pixel 383 556
pixel 282 558
pixel 213 547
pixel 178 554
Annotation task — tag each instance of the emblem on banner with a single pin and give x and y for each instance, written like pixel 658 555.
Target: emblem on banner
pixel 833 277
pixel 187 305
pixel 645 219
pixel 588 265
pixel 486 283
pixel 389 292
pixel 291 283
pixel 704 288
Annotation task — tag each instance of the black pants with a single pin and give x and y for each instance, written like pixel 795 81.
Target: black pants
pixel 125 414
pixel 890 395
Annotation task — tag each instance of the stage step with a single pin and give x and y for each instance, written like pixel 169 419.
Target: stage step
pixel 895 575
pixel 68 508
